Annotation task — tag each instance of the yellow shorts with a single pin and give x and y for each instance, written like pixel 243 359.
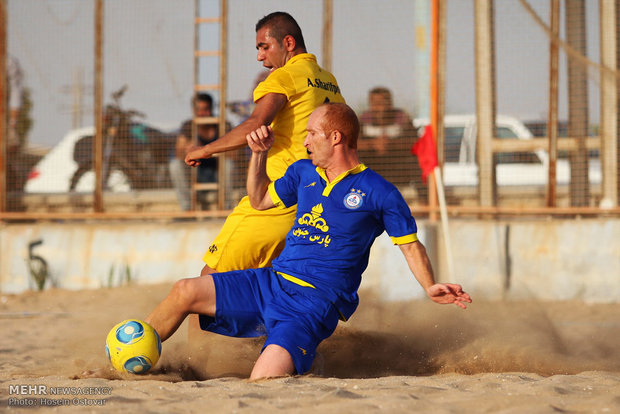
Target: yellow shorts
pixel 249 238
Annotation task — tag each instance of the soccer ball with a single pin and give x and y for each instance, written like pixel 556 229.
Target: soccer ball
pixel 133 346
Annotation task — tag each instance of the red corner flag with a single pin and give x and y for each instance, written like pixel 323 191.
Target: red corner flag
pixel 425 149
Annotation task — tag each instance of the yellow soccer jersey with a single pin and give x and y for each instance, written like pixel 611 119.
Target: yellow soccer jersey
pixel 306 86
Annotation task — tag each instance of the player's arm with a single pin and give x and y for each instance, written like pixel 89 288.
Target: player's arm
pixel 264 113
pixel 259 141
pixel 420 265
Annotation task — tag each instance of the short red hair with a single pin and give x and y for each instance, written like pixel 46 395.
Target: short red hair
pixel 340 117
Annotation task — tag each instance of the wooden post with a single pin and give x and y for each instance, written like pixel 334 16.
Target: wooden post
pixel 609 102
pixel 485 99
pixel 434 114
pixel 193 172
pixel 3 106
pixel 578 121
pixel 617 172
pixel 328 34
pixel 552 120
pixel 222 165
pixel 98 105
pixel 441 80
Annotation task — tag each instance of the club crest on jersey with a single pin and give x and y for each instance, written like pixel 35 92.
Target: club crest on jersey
pixel 354 199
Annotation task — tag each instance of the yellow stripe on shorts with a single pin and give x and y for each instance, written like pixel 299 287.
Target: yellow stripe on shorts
pixel 296 280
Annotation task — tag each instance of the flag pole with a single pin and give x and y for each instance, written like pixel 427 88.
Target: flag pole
pixel 444 221
pixel 434 98
pixel 435 177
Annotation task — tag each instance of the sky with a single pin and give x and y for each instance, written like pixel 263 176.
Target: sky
pixel 148 45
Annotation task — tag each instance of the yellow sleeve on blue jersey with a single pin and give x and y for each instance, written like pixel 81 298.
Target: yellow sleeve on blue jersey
pixel 410 238
pixel 274 195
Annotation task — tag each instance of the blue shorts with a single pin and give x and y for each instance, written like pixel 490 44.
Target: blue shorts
pixel 259 302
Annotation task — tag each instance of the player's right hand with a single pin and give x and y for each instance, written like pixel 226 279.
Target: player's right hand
pixel 193 157
pixel 446 293
pixel 261 139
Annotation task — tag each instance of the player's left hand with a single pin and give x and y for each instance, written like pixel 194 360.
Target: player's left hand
pixel 446 293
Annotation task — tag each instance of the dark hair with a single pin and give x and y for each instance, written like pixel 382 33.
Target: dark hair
pixel 340 117
pixel 280 25
pixel 203 97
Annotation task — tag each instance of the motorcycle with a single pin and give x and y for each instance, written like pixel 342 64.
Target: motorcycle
pixel 139 151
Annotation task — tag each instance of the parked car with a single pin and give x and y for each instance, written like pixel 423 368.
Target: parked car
pixel 512 169
pixel 54 172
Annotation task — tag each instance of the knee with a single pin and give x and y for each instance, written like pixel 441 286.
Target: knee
pixel 184 293
pixel 194 295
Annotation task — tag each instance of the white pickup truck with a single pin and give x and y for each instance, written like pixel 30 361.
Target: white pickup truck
pixel 513 169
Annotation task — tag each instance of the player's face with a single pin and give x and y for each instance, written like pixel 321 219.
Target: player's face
pixel 317 143
pixel 270 51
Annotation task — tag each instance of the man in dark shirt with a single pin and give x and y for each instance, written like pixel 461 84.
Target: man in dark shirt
pixel 206 133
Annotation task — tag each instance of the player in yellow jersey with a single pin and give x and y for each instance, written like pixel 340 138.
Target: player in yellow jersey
pixel 295 87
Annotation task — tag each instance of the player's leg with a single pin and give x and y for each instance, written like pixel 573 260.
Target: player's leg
pixel 238 323
pixel 297 321
pixel 194 295
pixel 248 239
pixel 194 330
pixel 274 361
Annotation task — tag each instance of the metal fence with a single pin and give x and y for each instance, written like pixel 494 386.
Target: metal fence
pixel 545 71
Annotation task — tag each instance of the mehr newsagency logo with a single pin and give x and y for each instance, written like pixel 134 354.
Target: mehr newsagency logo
pixel 41 395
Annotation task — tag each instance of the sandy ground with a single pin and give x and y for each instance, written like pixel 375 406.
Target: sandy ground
pixel 508 357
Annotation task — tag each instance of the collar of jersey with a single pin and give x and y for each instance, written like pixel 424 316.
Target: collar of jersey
pixel 330 185
pixel 301 56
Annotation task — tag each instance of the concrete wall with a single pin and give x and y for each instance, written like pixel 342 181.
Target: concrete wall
pixel 539 259
pixel 519 259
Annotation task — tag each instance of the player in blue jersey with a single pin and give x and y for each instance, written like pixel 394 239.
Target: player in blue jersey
pixel 342 206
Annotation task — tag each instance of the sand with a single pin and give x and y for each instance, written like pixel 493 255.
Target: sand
pixel 508 357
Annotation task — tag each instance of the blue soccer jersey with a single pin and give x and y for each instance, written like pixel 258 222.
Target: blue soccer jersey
pixel 337 222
